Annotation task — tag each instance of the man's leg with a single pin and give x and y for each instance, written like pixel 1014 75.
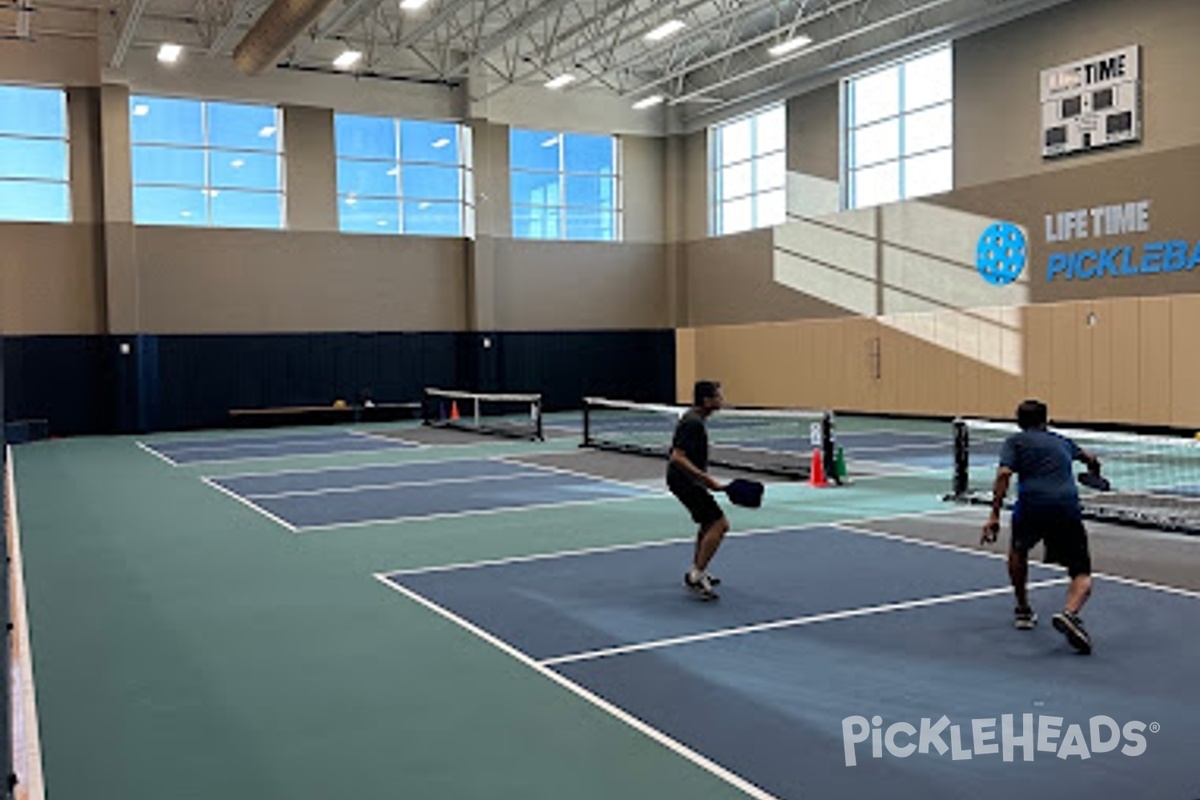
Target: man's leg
pixel 1018 573
pixel 708 542
pixel 1078 592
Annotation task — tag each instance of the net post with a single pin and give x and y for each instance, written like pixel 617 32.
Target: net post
pixel 537 410
pixel 587 423
pixel 828 455
pixel 962 460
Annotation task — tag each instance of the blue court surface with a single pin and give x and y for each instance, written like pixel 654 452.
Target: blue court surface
pixel 237 448
pixel 826 668
pixel 328 498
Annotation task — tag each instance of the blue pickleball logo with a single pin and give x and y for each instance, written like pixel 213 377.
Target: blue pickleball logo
pixel 1000 254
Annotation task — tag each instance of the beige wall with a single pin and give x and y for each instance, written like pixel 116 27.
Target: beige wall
pixel 311 174
pixel 563 286
pixel 225 281
pixel 813 138
pixel 51 279
pixel 643 170
pixel 52 61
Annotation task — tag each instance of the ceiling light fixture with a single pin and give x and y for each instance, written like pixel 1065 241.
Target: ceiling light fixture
pixel 789 46
pixel 668 28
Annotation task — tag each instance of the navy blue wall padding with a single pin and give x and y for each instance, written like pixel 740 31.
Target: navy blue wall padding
pixel 67 380
pixel 85 384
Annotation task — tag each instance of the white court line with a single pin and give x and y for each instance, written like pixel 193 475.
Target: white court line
pixel 266 457
pixel 1160 587
pixel 241 443
pixel 637 724
pixel 379 464
pixel 397 485
pixel 794 622
pixel 250 505
pixel 473 513
pixel 599 549
pixel 574 473
pixel 380 437
pixel 155 453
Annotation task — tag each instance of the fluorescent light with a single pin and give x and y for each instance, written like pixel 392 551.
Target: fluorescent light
pixel 440 143
pixel 551 142
pixel 237 163
pixel 267 131
pixel 649 102
pixel 412 5
pixel 560 81
pixel 169 53
pixel 347 59
pixel 141 110
pixel 791 45
pixel 668 28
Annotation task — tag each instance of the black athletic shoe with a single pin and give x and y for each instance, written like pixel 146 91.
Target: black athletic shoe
pixel 713 579
pixel 703 587
pixel 1024 618
pixel 1071 627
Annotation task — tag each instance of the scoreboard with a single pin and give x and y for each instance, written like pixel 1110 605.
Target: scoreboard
pixel 1093 103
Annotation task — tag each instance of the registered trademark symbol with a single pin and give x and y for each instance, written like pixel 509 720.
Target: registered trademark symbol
pixel 1155 727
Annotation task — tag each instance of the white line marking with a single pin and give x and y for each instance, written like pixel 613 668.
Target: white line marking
pixel 397 485
pixel 369 465
pixel 155 453
pixel 759 627
pixel 248 504
pixel 474 512
pixel 382 438
pixel 586 551
pixel 574 473
pixel 260 442
pixel 637 724
pixel 1161 587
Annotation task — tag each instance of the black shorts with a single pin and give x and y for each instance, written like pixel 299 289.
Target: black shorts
pixel 697 500
pixel 1063 532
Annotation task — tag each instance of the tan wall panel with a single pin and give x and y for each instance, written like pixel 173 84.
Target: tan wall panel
pixel 970 367
pixel 51 281
pixel 1125 352
pixel 1068 388
pixel 1039 354
pixel 891 345
pixel 685 364
pixel 643 170
pixel 1185 362
pixel 1102 375
pixel 1154 361
pixel 861 389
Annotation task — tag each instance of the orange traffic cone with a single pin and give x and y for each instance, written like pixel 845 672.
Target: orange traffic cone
pixel 816 475
pixel 454 410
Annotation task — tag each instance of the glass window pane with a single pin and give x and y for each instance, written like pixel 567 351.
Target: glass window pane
pixel 535 188
pixel 166 120
pixel 875 96
pixel 770 172
pixel 431 183
pixel 368 216
pixel 929 79
pixel 33 158
pixel 736 180
pixel 928 130
pixel 429 141
pixel 591 154
pixel 770 131
pixel 232 209
pixel 875 143
pixel 590 224
pixel 734 141
pixel 426 218
pixel 736 216
pixel 772 208
pixel 876 185
pixel 365 137
pixel 535 222
pixel 533 149
pixel 245 170
pixel 168 165
pixel 154 205
pixel 591 191
pixel 929 174
pixel 376 178
pixel 34 201
pixel 33 112
pixel 242 126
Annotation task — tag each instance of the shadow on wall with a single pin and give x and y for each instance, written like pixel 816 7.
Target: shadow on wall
pixel 911 266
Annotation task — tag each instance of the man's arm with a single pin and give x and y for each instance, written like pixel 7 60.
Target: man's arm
pixel 991 528
pixel 679 458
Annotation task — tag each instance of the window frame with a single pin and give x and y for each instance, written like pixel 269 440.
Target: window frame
pixel 846 122
pixel 209 189
pixel 716 169
pixel 65 139
pixel 462 165
pixel 562 209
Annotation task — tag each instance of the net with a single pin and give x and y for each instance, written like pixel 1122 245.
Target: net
pixel 770 442
pixel 1155 480
pixel 517 416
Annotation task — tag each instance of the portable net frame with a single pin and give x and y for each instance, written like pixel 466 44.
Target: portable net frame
pixel 513 415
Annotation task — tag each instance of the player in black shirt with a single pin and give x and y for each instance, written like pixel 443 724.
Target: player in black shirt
pixel 688 480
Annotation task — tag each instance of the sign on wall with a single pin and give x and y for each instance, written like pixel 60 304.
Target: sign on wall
pixel 1093 103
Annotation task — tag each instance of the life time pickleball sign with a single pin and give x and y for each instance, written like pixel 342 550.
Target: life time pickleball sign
pixel 1086 244
pixel 1092 103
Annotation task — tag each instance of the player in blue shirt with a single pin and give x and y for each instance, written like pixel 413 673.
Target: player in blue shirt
pixel 1047 509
